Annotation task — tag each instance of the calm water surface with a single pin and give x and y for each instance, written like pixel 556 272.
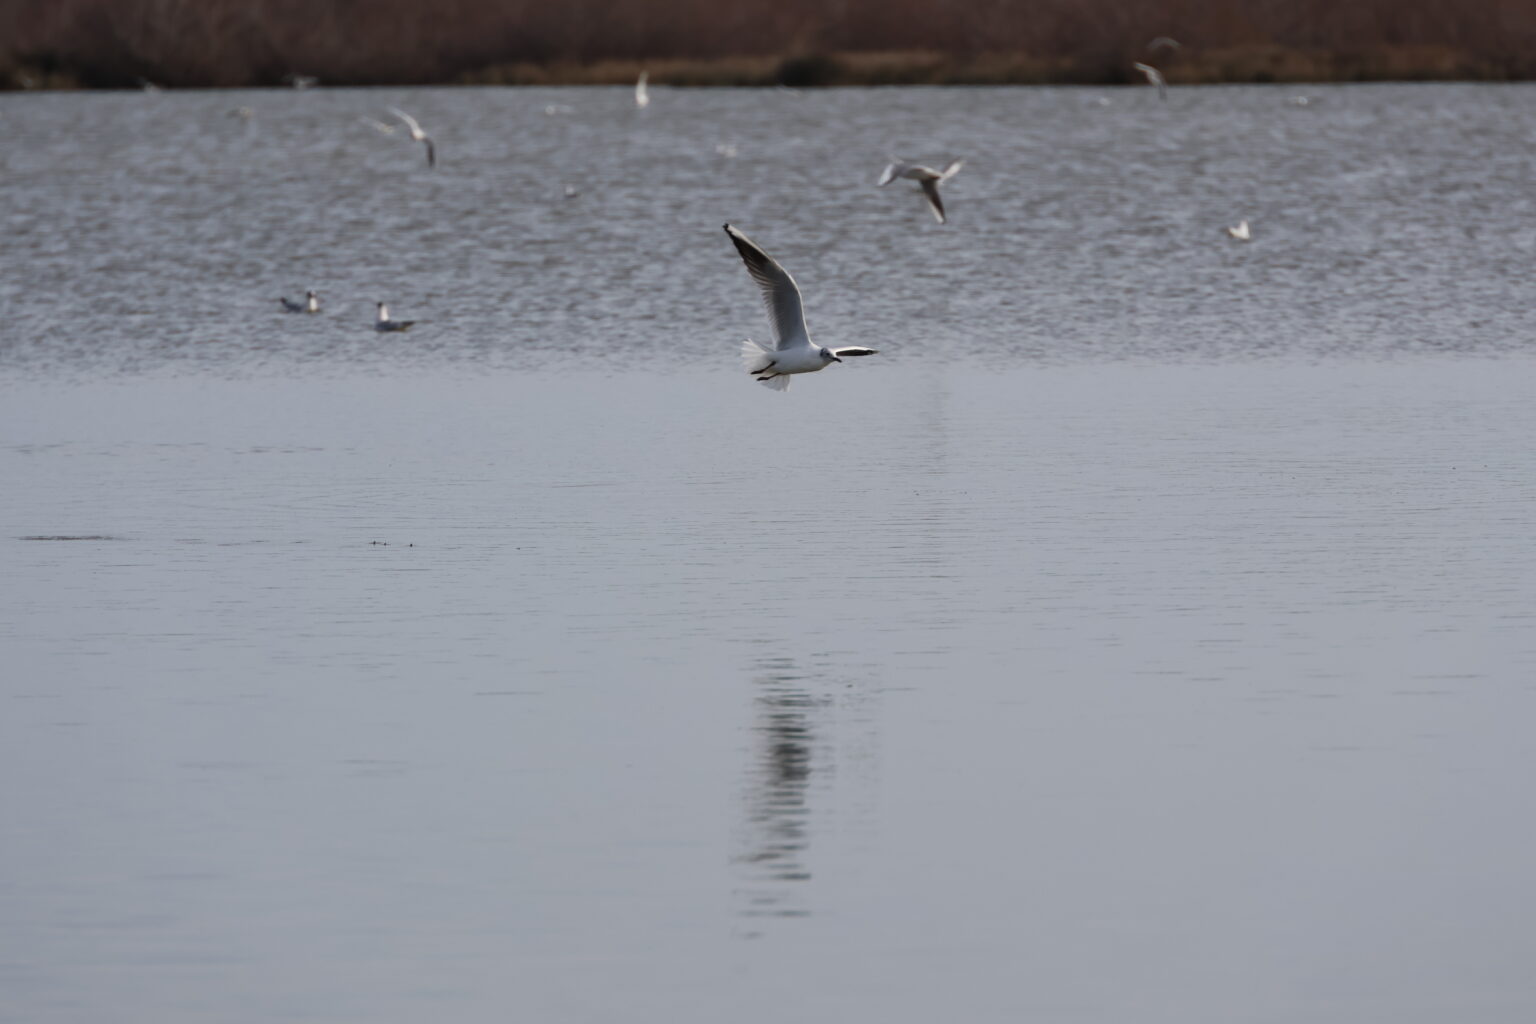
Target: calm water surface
pixel 1148 633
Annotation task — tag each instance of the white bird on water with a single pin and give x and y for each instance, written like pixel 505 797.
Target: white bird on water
pixel 384 323
pixel 311 304
pixel 792 351
pixel 1154 77
pixel 927 179
pixel 642 94
pixel 1241 232
pixel 417 135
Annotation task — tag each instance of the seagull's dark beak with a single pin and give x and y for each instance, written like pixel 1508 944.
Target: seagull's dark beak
pixel 836 360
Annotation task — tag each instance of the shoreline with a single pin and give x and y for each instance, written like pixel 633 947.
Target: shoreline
pixel 1238 65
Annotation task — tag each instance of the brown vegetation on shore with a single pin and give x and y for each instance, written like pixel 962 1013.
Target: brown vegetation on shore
pixel 186 43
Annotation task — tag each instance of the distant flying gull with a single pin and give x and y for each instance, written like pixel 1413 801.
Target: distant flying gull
pixel 377 125
pixel 1163 43
pixel 311 304
pixel 927 179
pixel 1154 77
pixel 384 323
pixel 557 108
pixel 417 135
pixel 792 351
pixel 1241 232
pixel 571 191
pixel 642 94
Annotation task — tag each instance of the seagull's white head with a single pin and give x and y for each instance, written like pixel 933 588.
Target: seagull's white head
pixel 828 357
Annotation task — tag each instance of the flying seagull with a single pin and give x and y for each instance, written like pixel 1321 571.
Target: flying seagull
pixel 417 135
pixel 1241 232
pixel 792 351
pixel 385 324
pixel 642 95
pixel 1164 43
pixel 1154 77
pixel 927 179
pixel 311 304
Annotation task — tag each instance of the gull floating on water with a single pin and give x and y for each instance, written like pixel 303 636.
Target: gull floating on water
pixel 311 304
pixel 243 113
pixel 1154 77
pixel 299 81
pixel 927 179
pixel 384 323
pixel 792 351
pixel 417 135
pixel 1241 232
pixel 642 94
pixel 557 108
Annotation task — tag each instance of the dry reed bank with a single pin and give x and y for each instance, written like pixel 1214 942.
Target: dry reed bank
pixel 203 43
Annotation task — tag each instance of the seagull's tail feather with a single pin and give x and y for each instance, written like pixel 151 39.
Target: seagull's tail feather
pixel 758 361
pixel 755 356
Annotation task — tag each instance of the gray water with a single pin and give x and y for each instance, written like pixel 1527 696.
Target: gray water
pixel 1146 634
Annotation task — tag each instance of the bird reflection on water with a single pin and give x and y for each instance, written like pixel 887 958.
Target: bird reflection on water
pixel 785 725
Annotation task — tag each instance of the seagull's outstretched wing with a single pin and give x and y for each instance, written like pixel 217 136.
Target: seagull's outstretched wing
pixel 1155 77
pixel 410 122
pixel 952 170
pixel 780 292
pixel 891 171
pixel 854 351
pixel 930 188
pixel 431 152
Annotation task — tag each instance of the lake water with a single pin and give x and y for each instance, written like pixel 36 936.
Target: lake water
pixel 1147 633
